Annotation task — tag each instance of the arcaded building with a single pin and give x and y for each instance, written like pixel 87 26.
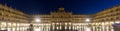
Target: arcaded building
pixel 61 21
pixel 106 18
pixel 14 20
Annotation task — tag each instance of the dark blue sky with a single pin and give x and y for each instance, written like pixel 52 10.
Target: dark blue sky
pixel 45 6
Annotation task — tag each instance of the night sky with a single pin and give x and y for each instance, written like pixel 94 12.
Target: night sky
pixel 45 6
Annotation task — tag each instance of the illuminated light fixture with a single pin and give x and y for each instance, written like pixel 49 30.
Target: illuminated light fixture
pixel 87 20
pixel 37 20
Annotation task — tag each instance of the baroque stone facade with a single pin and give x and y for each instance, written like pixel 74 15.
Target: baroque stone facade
pixel 14 20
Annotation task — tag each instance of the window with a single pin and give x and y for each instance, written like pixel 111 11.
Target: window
pixel 117 9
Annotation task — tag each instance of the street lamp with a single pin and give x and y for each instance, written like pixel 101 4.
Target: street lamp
pixel 88 20
pixel 37 19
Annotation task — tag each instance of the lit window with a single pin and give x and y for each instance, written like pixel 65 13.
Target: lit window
pixel 36 29
pixel 57 23
pixel 117 22
pixel 69 27
pixel 60 27
pixel 53 27
pixel 65 23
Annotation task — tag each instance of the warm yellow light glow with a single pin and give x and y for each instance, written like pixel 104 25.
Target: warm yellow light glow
pixel 69 23
pixel 60 27
pixel 117 22
pixel 57 23
pixel 102 23
pixel 37 20
pixel 9 29
pixel 9 24
pixel 3 28
pixel 53 27
pixel 65 27
pixel 36 29
pixel 57 27
pixel 13 29
pixel 65 23
pixel 88 29
pixel 106 23
pixel 69 27
pixel 53 23
pixel 87 20
pixel 3 23
pixel 14 24
pixel 73 27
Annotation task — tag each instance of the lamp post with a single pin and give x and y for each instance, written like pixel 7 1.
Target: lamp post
pixel 87 19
